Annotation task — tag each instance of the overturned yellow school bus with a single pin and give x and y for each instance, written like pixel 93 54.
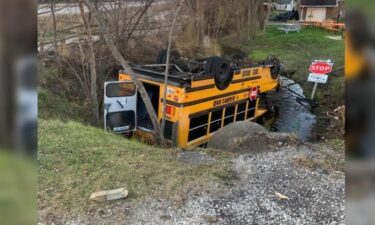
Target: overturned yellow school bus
pixel 202 97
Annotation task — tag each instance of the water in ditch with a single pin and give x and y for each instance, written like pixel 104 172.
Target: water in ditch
pixel 292 116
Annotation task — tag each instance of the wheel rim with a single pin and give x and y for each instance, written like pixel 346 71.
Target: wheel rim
pixel 223 79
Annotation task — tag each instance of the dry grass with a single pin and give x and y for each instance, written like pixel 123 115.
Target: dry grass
pixel 330 156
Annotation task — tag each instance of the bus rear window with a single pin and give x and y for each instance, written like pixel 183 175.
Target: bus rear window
pixel 120 89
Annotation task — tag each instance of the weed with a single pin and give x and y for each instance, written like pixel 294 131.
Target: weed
pixel 227 176
pixel 330 156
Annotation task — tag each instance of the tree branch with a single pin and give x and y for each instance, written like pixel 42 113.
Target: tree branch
pixel 179 6
pixel 120 59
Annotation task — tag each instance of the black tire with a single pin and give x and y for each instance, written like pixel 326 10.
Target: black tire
pixel 276 66
pixel 221 70
pixel 209 63
pixel 162 57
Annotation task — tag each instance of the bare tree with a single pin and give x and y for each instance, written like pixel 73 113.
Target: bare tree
pixel 215 19
pixel 247 14
pixel 52 5
pixel 117 55
pixel 171 31
pixel 218 19
pixel 79 56
pixel 93 76
pixel 124 21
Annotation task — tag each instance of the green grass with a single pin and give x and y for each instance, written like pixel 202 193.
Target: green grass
pixel 76 160
pixel 56 101
pixel 296 51
pixel 55 106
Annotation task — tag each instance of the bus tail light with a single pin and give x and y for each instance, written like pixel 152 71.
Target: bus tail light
pixel 170 110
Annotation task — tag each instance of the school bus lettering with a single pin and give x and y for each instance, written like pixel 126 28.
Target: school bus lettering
pixel 223 101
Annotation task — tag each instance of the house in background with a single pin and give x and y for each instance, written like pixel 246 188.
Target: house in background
pixel 320 10
pixel 286 5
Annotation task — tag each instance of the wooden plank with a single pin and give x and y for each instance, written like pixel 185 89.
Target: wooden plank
pixel 109 195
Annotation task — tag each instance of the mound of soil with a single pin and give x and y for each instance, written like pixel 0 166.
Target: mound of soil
pixel 249 137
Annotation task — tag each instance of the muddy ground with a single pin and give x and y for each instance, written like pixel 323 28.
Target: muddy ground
pixel 315 196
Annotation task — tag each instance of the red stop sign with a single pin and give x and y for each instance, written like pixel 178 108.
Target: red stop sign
pixel 320 68
pixel 253 93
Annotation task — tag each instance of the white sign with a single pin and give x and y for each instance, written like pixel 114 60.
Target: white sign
pixel 317 78
pixel 319 70
pixel 330 61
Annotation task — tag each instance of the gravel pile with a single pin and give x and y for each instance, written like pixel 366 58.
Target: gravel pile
pixel 314 196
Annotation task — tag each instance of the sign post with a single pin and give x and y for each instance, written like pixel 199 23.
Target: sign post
pixel 318 73
pixel 314 90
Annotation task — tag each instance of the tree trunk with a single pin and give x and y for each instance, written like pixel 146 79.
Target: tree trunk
pixel 267 16
pixel 93 76
pixel 179 6
pixel 202 22
pixel 116 54
pixel 54 24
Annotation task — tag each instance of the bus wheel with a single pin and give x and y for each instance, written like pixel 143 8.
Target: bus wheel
pixel 162 57
pixel 221 70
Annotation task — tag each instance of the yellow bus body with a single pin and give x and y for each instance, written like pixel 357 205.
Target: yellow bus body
pixel 203 99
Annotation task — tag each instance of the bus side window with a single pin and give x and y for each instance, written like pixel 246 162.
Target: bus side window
pixel 229 115
pixel 216 117
pixel 198 127
pixel 241 110
pixel 251 109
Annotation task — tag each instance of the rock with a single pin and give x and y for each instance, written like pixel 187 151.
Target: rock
pixel 233 134
pixel 247 136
